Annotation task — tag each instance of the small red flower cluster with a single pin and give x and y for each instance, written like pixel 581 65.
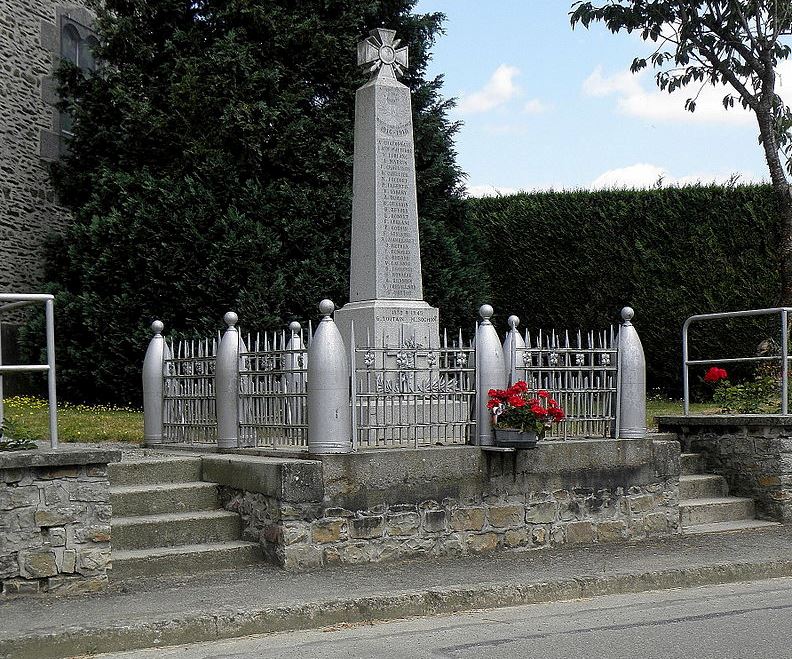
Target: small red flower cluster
pixel 715 374
pixel 517 407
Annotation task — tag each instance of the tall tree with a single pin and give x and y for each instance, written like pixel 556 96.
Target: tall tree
pixel 738 43
pixel 211 168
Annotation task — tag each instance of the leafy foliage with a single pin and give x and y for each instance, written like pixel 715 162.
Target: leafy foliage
pixel 211 169
pixel 669 253
pixel 756 396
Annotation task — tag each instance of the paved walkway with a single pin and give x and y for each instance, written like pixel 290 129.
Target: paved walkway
pixel 260 599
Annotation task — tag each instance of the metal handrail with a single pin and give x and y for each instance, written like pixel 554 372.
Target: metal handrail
pixel 16 301
pixel 783 358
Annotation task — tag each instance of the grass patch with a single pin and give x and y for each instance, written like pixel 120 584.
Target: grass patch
pixel 665 407
pixel 26 418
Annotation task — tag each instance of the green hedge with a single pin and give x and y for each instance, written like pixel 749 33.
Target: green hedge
pixel 573 259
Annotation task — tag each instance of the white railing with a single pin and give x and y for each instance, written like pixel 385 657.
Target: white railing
pixel 15 301
pixel 783 358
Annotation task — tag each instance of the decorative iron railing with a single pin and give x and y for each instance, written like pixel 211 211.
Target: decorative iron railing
pixel 580 374
pixel 273 377
pixel 189 412
pixel 411 396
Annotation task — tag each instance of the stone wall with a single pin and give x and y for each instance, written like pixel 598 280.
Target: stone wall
pixel 54 521
pixel 383 505
pixel 752 452
pixel 29 136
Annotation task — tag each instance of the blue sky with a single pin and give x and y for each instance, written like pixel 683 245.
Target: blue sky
pixel 545 106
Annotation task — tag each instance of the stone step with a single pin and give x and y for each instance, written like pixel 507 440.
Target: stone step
pixel 133 500
pixel 183 559
pixel 665 436
pixel 715 509
pixel 702 486
pixel 153 471
pixel 726 527
pixel 692 463
pixel 169 529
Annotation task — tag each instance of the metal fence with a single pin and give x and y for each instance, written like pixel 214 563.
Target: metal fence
pixel 16 301
pixel 782 359
pixel 189 408
pixel 273 382
pixel 410 396
pixel 580 374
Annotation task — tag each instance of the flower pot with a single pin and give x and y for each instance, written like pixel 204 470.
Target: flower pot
pixel 514 438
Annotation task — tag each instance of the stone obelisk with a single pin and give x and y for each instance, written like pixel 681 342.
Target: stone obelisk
pixel 385 287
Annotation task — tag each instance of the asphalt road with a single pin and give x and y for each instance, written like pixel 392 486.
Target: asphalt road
pixel 736 620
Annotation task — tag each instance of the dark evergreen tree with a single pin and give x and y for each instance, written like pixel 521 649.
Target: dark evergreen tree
pixel 211 169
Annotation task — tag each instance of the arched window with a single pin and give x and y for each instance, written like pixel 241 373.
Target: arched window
pixel 77 46
pixel 70 44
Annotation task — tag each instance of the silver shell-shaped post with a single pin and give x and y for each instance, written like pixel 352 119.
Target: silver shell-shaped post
pixel 631 396
pixel 227 385
pixel 153 386
pixel 512 345
pixel 329 415
pixel 490 369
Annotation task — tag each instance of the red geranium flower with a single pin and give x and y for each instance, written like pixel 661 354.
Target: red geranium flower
pixel 715 374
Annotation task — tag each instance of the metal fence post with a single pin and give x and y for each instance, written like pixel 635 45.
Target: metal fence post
pixel 329 414
pixel 632 380
pixel 227 385
pixel 491 371
pixel 511 344
pixel 153 386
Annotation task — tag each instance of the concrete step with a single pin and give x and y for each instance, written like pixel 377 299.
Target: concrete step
pixel 132 500
pixel 183 559
pixel 726 527
pixel 692 463
pixel 715 509
pixel 702 486
pixel 153 471
pixel 169 529
pixel 666 436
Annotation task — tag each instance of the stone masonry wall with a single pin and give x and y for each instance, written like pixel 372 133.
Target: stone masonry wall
pixel 54 528
pixel 29 137
pixel 754 456
pixel 300 536
pixel 385 505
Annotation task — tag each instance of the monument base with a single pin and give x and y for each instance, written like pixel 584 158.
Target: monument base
pixel 390 324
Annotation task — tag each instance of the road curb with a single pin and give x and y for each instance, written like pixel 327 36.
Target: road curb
pixel 205 626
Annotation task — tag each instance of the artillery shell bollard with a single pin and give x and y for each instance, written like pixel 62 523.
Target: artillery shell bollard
pixel 491 371
pixel 329 415
pixel 632 380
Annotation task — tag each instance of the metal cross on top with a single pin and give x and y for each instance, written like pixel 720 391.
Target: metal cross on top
pixel 381 52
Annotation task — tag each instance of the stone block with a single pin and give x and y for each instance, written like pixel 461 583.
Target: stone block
pixel 450 546
pixel 769 480
pixel 55 493
pixel 18 497
pixel 9 566
pixel 98 533
pixel 96 471
pixel 356 552
pixel 98 492
pixel 655 524
pixel 468 519
pixel 54 517
pixel 294 532
pixel 37 563
pixel 580 533
pixel 641 504
pixel 328 530
pixel 543 512
pixel 367 527
pixel 516 538
pixel 339 512
pixel 406 523
pixel 51 473
pixel 93 561
pixel 611 531
pixel 302 557
pixel 418 545
pixel 503 517
pixel 270 534
pixel 74 585
pixel 15 476
pixel 434 521
pixel 482 542
pixel 20 587
pixel 539 535
pixel 67 560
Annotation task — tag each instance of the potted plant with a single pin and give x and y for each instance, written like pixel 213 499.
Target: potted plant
pixel 520 417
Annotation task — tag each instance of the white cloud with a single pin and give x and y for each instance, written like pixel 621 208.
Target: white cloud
pixel 535 106
pixel 646 175
pixel 499 89
pixel 490 191
pixel 635 100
